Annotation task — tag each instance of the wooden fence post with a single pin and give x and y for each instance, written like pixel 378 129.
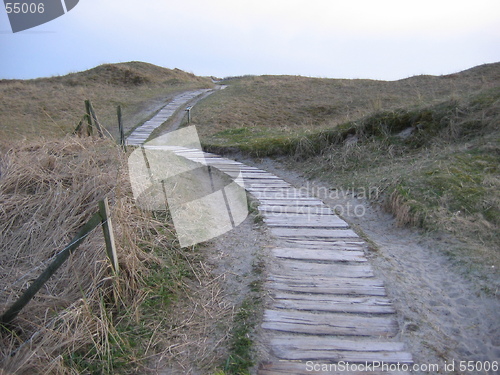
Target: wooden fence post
pixel 92 120
pixel 120 128
pixel 109 237
pixel 90 127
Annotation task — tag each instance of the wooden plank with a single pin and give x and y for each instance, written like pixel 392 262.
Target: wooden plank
pixel 282 367
pixel 322 285
pixel 303 210
pixel 295 218
pixel 306 224
pixel 302 269
pixel 329 323
pixel 300 347
pixel 319 255
pixel 263 183
pixel 308 342
pixel 283 193
pixel 319 302
pixel 262 176
pixel 326 244
pixel 345 356
pixel 215 163
pixel 304 233
pixel 291 202
pixel 301 197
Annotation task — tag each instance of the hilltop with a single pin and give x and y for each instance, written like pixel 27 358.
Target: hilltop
pixel 52 107
pixel 285 106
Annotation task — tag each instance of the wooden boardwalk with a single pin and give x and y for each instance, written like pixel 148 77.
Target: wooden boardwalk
pixel 142 133
pixel 325 306
pixel 326 309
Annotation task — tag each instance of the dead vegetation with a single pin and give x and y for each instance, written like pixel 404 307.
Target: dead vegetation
pixel 164 303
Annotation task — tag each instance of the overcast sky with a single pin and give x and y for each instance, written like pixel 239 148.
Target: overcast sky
pixel 384 39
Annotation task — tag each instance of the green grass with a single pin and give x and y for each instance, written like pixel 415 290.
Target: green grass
pixel 241 346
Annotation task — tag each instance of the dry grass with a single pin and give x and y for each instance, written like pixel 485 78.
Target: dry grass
pixel 165 303
pixel 261 107
pixel 52 107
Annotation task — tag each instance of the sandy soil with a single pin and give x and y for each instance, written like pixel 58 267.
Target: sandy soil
pixel 444 317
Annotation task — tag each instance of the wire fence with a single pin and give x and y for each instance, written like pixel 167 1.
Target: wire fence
pixel 100 219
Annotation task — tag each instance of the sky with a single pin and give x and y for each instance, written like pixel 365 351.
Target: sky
pixel 384 39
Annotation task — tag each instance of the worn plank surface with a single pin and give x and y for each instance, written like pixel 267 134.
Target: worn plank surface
pixel 305 210
pixel 313 270
pixel 326 324
pixel 306 347
pixel 319 255
pixel 331 285
pixel 299 221
pixel 326 243
pixel 294 202
pixel 333 303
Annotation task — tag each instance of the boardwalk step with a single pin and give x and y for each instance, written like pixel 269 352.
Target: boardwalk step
pixel 304 233
pixel 312 269
pixel 327 243
pixel 298 220
pixel 329 323
pixel 304 210
pixel 331 285
pixel 320 255
pixel 291 202
pixel 332 303
pixel 300 347
pixel 307 270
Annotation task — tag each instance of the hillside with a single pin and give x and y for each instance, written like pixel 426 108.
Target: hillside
pixel 260 107
pixel 52 107
pixel 430 147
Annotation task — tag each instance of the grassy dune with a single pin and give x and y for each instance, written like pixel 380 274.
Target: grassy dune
pixel 431 145
pixel 52 107
pixel 256 108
